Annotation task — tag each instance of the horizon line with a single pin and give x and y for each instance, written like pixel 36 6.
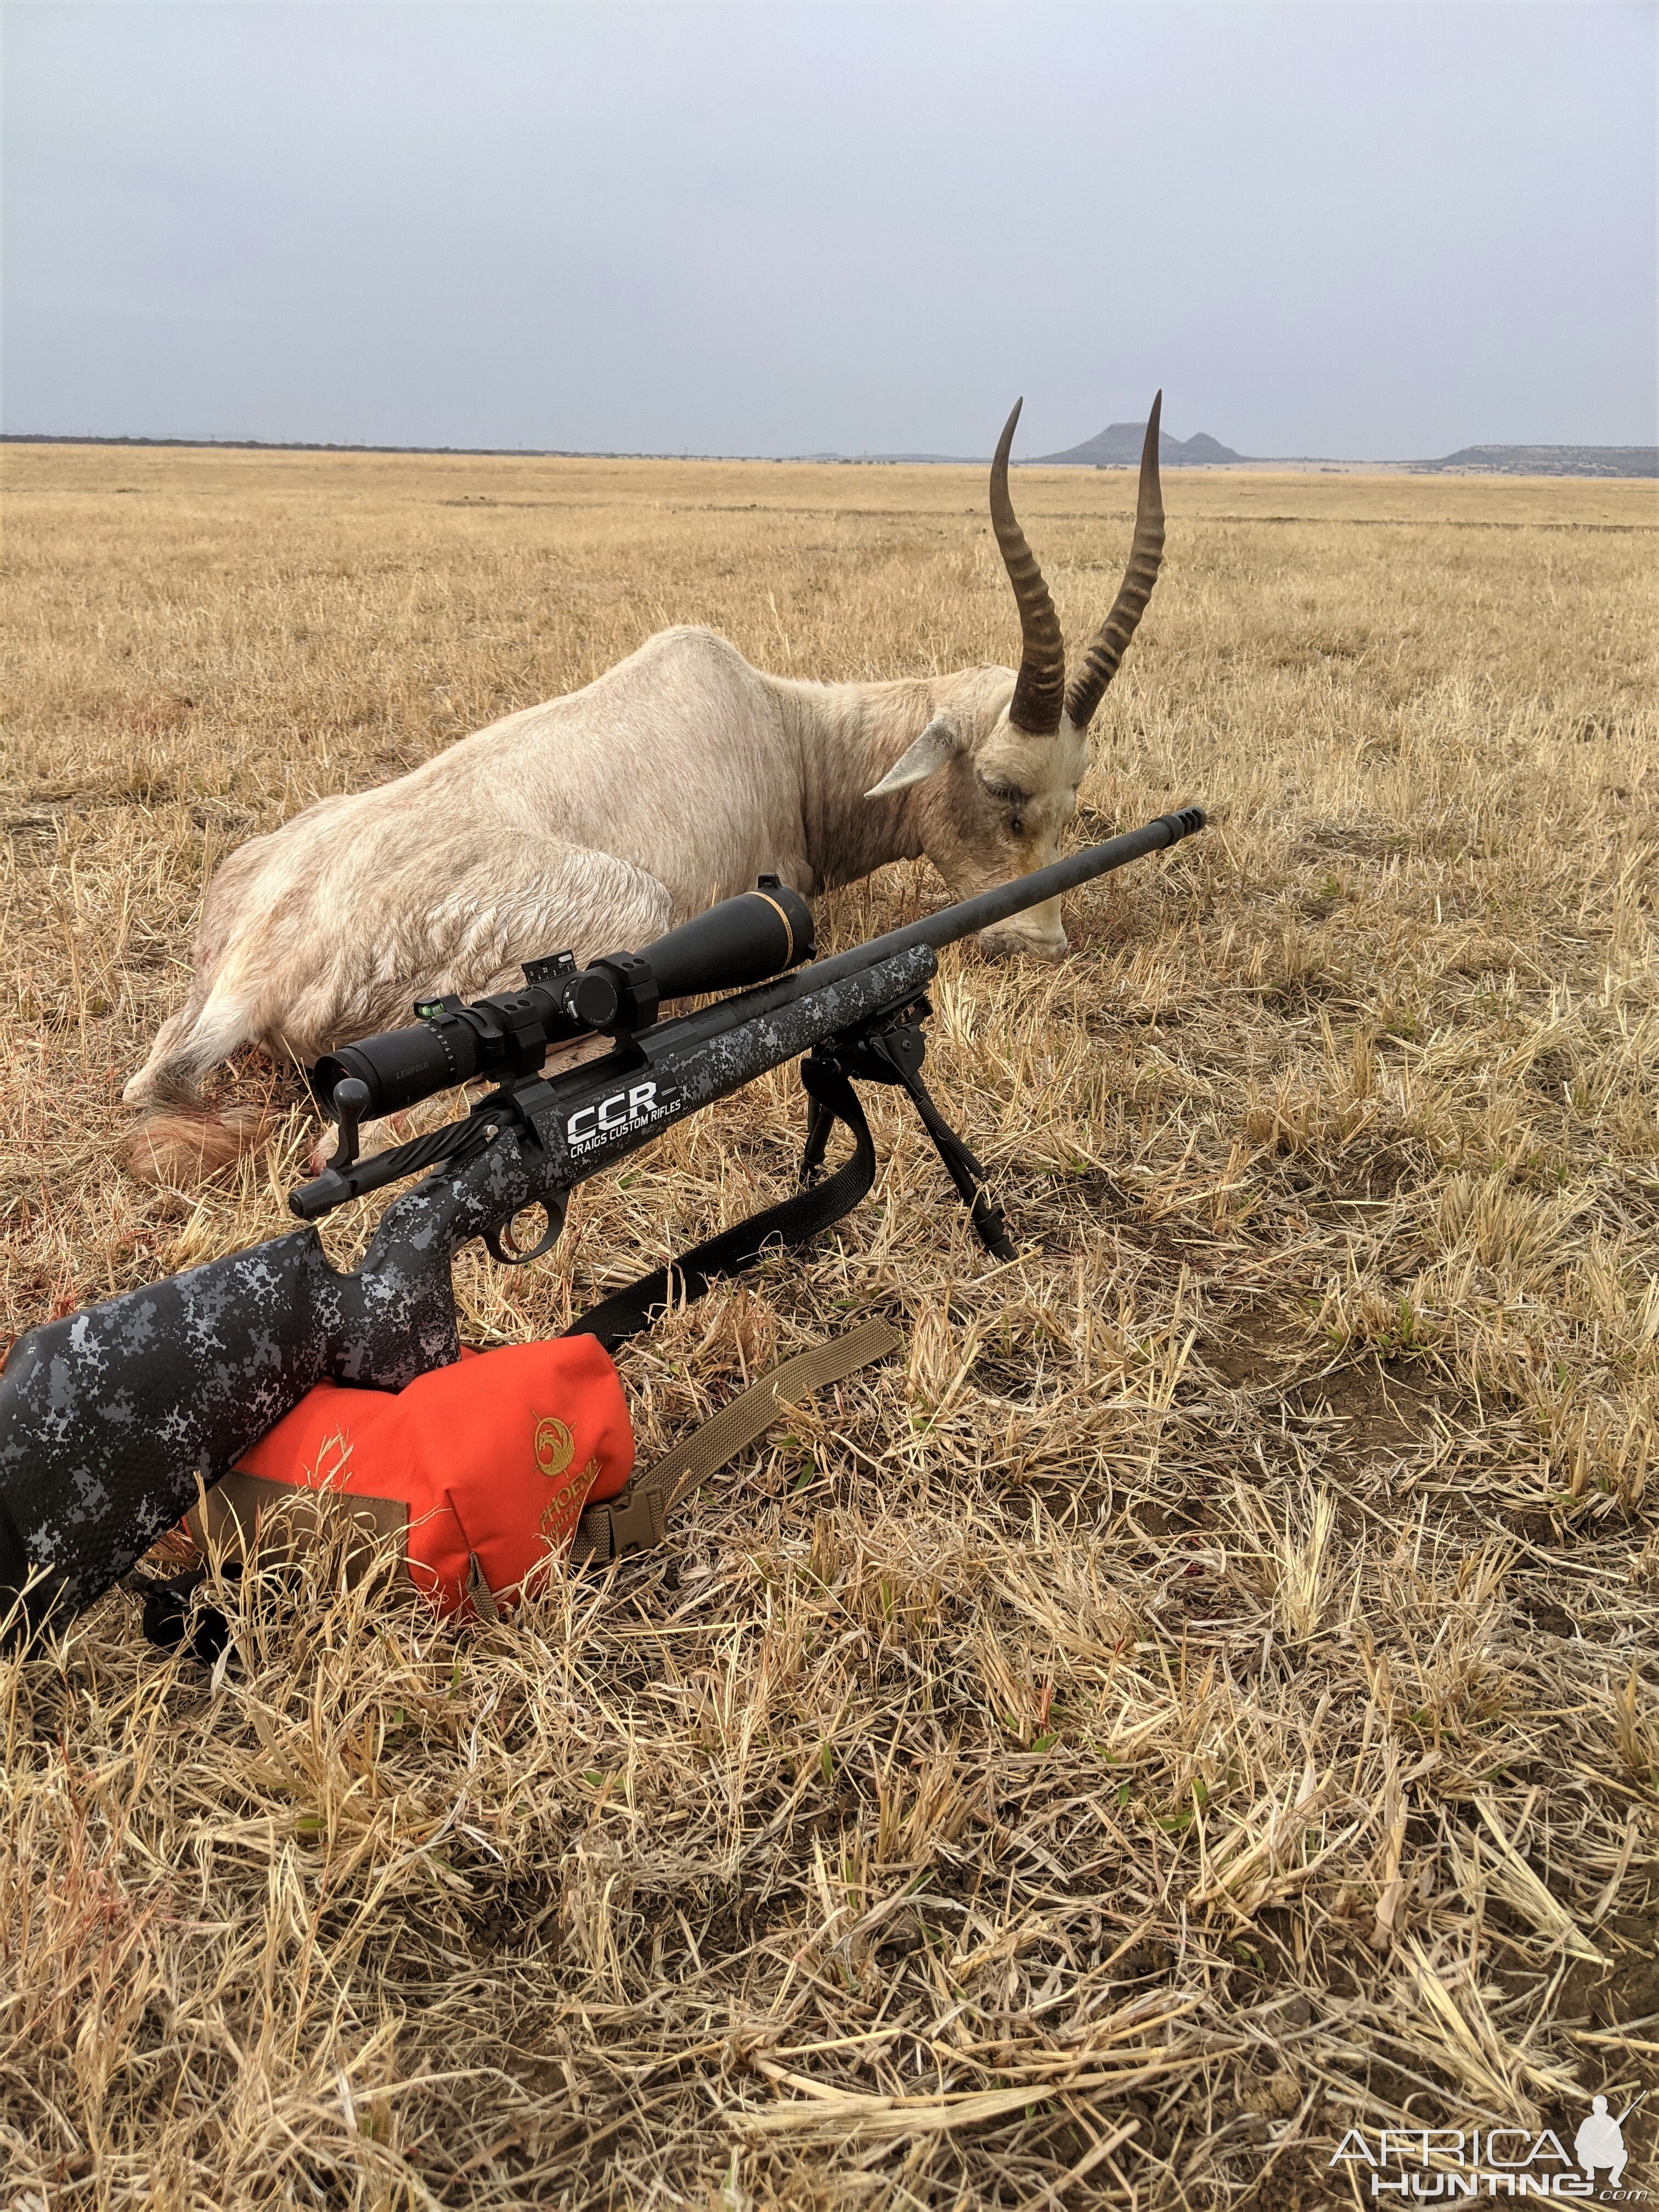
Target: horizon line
pixel 821 458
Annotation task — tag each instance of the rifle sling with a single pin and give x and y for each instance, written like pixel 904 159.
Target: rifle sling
pixel 796 1220
pixel 635 1519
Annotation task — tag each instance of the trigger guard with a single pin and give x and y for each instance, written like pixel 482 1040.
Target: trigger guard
pixel 508 1255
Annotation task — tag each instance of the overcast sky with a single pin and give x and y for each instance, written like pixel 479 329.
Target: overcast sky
pixel 1376 231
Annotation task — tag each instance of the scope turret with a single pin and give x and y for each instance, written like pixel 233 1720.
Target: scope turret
pixel 742 940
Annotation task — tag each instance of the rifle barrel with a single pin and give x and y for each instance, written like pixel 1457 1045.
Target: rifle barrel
pixel 695 1032
pixel 944 927
pixel 953 923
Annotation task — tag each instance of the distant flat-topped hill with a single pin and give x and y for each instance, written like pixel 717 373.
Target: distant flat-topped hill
pixel 1552 460
pixel 1119 446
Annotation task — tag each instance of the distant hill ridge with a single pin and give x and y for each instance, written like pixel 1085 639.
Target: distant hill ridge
pixel 1552 460
pixel 1116 446
pixel 1119 445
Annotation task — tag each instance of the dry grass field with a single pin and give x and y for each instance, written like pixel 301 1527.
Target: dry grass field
pixel 1206 1699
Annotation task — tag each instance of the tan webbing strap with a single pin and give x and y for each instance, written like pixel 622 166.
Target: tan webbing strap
pixel 635 1518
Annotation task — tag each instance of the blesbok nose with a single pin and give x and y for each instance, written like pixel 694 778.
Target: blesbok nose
pixel 1038 934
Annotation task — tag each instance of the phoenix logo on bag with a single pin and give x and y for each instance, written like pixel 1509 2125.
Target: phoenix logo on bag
pixel 553 1448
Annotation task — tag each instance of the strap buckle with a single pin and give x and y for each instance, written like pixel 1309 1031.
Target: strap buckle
pixel 635 1520
pixel 632 1520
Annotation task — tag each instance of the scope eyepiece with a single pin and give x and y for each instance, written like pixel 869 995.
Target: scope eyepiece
pixel 400 1067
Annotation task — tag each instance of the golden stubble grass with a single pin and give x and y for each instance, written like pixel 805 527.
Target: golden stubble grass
pixel 1203 1698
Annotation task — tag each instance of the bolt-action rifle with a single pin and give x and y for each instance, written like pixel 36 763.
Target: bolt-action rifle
pixel 110 1419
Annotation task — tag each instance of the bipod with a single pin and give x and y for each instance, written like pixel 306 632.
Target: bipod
pixel 890 1048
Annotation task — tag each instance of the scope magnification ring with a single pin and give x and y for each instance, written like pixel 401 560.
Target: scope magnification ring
pixel 439 1024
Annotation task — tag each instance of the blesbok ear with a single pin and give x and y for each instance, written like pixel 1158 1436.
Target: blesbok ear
pixel 939 742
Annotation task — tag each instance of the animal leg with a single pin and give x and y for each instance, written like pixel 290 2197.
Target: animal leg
pixel 181 1141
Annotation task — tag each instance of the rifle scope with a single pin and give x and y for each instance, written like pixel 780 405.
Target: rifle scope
pixel 742 940
pixel 753 938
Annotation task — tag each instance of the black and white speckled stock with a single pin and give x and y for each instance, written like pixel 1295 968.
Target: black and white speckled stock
pixel 110 1419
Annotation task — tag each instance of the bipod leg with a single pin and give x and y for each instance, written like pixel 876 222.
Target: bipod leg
pixel 820 1121
pixel 963 1169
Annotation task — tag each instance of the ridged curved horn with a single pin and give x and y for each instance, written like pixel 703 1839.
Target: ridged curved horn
pixel 1042 682
pixel 1108 646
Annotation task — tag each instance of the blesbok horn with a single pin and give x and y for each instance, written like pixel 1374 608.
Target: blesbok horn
pixel 1042 682
pixel 1107 646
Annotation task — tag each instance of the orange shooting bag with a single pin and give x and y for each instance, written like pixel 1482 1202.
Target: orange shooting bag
pixel 479 1469
pixel 483 1469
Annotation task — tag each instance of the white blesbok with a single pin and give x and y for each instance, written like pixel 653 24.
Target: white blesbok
pixel 598 820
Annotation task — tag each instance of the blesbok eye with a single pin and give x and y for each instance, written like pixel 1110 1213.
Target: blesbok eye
pixel 1010 795
pixel 1006 794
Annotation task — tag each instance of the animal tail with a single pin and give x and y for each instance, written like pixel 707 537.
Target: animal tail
pixel 215 1020
pixel 185 1145
pixel 180 1140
